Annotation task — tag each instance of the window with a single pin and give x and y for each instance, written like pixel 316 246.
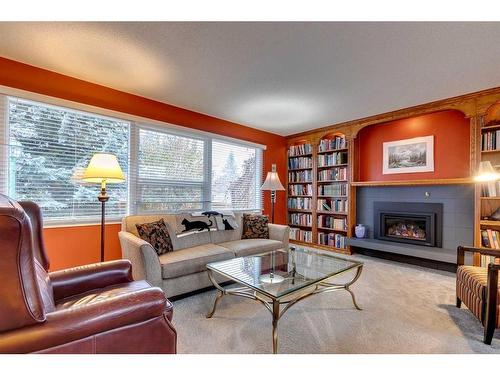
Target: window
pixel 47 151
pixel 44 150
pixel 170 172
pixel 236 176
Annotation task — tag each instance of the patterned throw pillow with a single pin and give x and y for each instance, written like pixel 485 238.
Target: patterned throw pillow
pixel 255 226
pixel 156 233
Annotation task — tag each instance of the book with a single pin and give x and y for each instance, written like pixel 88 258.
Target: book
pixel 490 238
pixel 485 239
pixel 496 242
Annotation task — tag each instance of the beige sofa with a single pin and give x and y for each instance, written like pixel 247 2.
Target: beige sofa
pixel 184 269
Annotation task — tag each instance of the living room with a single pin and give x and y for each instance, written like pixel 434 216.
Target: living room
pixel 189 187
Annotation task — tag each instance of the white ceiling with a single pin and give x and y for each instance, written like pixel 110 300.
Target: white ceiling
pixel 282 77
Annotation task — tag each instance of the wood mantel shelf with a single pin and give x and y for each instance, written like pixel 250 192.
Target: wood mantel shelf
pixel 444 181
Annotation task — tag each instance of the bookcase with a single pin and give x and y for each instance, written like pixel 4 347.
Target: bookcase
pixel 489 127
pixel 318 191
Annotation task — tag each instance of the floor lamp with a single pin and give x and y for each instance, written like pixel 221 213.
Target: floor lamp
pixel 272 184
pixel 103 168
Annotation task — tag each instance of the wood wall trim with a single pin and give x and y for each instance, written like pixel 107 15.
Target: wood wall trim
pixel 446 181
pixel 472 104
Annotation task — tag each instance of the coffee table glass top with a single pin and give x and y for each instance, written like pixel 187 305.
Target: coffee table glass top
pixel 278 273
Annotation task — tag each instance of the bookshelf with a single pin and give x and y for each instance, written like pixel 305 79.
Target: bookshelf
pixel 489 201
pixel 300 191
pixel 318 191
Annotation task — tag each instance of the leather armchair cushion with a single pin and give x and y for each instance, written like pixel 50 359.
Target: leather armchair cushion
pixel 77 280
pixel 252 246
pixel 88 315
pixel 192 260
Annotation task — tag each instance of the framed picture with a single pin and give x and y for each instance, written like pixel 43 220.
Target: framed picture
pixel 409 155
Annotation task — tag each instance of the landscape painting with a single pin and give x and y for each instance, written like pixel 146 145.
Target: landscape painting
pixel 409 155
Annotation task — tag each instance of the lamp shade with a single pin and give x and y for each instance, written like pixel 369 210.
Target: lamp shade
pixel 272 181
pixel 103 167
pixel 486 172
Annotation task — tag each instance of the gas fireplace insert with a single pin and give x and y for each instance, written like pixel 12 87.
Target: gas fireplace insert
pixel 412 223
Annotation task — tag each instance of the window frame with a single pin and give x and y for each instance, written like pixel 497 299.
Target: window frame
pixel 136 123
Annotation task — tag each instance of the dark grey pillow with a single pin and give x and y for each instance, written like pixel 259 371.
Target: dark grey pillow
pixel 156 233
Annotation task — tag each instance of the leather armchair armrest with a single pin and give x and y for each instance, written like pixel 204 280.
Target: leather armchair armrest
pixel 71 324
pixel 73 281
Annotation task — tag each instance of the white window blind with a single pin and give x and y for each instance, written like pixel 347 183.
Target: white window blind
pixel 236 176
pixel 170 173
pixel 47 149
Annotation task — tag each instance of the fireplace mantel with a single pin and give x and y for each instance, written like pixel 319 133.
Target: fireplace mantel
pixel 431 181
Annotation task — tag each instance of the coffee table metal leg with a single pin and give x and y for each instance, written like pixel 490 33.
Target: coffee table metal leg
pixel 276 317
pixel 358 274
pixel 217 299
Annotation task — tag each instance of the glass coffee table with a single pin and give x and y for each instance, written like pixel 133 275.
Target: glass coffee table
pixel 279 279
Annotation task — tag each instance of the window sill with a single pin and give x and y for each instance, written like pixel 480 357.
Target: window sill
pixel 76 224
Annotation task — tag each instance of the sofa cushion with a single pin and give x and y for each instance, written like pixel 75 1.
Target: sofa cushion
pixel 243 248
pixel 191 260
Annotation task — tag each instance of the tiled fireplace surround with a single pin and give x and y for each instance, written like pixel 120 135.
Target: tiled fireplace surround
pixel 458 217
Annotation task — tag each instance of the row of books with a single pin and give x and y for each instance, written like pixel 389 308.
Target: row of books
pixel 300 219
pixel 332 174
pixel 490 189
pixel 332 239
pixel 490 238
pixel 336 158
pixel 298 150
pixel 326 221
pixel 305 189
pixel 337 190
pixel 333 205
pixel 298 234
pixel 300 203
pixel 334 143
pixel 300 162
pixel 300 176
pixel 490 141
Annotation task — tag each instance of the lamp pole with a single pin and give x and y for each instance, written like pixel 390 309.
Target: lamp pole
pixel 103 198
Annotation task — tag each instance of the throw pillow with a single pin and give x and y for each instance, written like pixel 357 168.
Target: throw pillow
pixel 156 233
pixel 255 226
pixel 190 223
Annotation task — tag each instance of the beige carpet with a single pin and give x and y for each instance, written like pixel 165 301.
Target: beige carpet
pixel 406 309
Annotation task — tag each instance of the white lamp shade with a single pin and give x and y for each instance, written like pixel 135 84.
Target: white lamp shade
pixel 103 167
pixel 272 182
pixel 486 172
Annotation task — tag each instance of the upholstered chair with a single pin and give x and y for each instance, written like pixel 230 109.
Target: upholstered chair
pixel 90 309
pixel 477 288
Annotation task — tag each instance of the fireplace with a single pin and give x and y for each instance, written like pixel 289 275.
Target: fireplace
pixel 412 223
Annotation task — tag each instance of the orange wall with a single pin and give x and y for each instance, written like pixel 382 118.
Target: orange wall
pixel 451 132
pixel 70 246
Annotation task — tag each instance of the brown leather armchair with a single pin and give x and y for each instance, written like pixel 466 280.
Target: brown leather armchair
pixel 90 309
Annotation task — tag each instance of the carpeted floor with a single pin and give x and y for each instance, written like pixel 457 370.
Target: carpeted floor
pixel 406 309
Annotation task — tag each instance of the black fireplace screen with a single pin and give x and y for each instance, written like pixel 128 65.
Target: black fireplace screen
pixel 402 227
pixel 412 223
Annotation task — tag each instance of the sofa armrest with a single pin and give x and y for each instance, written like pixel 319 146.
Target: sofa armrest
pixel 280 233
pixel 75 323
pixel 145 262
pixel 73 281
